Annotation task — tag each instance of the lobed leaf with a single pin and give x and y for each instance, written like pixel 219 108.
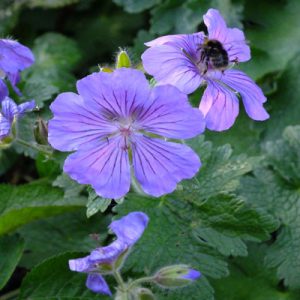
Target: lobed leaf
pixel 24 203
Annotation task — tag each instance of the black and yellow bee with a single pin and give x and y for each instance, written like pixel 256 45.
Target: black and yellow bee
pixel 213 54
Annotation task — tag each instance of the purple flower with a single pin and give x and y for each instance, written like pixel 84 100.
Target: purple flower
pixel 14 57
pixel 188 61
pixel 9 112
pixel 102 260
pixel 116 122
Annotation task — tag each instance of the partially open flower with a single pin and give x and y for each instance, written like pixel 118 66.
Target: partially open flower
pixel 105 260
pixel 9 114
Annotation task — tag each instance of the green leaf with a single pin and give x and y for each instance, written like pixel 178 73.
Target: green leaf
pixel 285 103
pixel 175 17
pixel 274 32
pixel 220 171
pixel 9 14
pixel 276 188
pixel 56 56
pixel 24 203
pixel 49 3
pixel 96 203
pixel 7 159
pixel 25 131
pixel 46 167
pixel 11 249
pixel 53 280
pixel 250 143
pixel 192 235
pixel 135 6
pixel 70 186
pixel 67 232
pixel 250 280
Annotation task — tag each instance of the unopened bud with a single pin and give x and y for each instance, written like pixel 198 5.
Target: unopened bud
pixel 41 132
pixel 123 60
pixel 176 276
pixel 144 294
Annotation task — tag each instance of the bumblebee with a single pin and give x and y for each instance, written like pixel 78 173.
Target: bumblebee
pixel 213 54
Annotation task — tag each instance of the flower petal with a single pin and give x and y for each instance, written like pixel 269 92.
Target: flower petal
pixel 108 254
pixel 169 64
pixel 97 284
pixel 179 41
pixel 192 275
pixel 3 90
pixel 75 124
pixel 15 56
pixel 169 113
pixel 219 105
pixel 252 95
pixel 9 109
pixel 232 39
pixel 104 164
pixel 130 228
pixel 27 106
pixel 4 127
pixel 115 94
pixel 160 165
pixel 80 264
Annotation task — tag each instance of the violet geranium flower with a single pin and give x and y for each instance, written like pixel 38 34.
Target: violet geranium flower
pixel 14 57
pixel 9 112
pixel 191 60
pixel 117 121
pixel 103 260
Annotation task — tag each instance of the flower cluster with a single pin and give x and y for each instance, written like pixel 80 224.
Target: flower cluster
pixel 118 121
pixel 14 58
pixel 109 259
pixel 191 60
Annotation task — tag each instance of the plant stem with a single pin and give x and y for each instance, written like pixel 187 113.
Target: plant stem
pixel 32 146
pixel 10 295
pixel 141 280
pixel 119 280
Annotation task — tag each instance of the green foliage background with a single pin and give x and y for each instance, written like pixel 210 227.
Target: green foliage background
pixel 237 221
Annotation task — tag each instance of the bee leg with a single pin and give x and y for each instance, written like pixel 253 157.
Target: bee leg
pixel 206 69
pixel 236 61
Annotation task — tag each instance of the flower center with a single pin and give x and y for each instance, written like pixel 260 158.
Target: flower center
pixel 126 132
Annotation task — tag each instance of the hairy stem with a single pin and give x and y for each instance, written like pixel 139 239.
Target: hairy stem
pixel 32 146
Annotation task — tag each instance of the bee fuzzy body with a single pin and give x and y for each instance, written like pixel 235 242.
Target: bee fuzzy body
pixel 213 55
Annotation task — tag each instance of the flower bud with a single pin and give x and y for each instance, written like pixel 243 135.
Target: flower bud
pixel 123 60
pixel 176 276
pixel 144 294
pixel 41 132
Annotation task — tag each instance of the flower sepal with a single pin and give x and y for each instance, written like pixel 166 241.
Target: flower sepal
pixel 143 294
pixel 6 142
pixel 175 276
pixel 122 295
pixel 119 262
pixel 123 60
